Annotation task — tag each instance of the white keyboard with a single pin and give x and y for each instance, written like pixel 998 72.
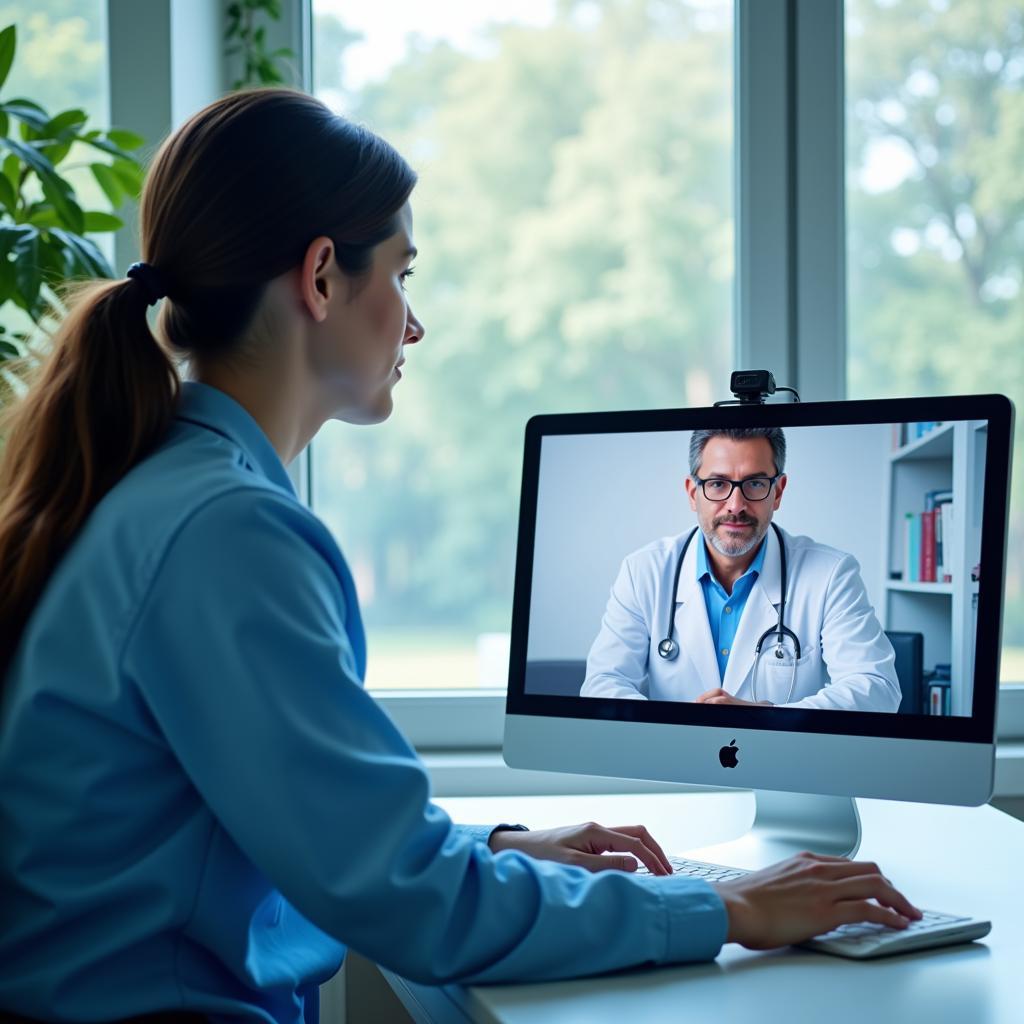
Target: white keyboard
pixel 864 940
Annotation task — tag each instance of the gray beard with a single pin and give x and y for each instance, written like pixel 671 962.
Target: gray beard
pixel 736 552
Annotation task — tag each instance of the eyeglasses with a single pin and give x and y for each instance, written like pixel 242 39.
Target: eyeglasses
pixel 754 488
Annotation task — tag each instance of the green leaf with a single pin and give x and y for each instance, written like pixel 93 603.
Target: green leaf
pixel 56 153
pixel 43 216
pixel 8 350
pixel 87 254
pixel 30 114
pixel 125 139
pixel 57 262
pixel 8 286
pixel 67 123
pixel 30 156
pixel 97 220
pixel 28 277
pixel 55 188
pixel 269 75
pixel 60 195
pixel 129 176
pixel 8 44
pixel 107 180
pixel 107 147
pixel 10 236
pixel 5 123
pixel 12 170
pixel 8 197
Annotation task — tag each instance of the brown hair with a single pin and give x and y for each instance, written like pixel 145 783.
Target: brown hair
pixel 232 200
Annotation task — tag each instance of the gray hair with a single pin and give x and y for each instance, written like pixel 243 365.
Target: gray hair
pixel 773 435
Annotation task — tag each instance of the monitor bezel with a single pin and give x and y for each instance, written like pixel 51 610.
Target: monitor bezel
pixel 979 727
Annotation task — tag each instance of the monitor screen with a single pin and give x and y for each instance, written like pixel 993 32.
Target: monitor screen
pixel 827 567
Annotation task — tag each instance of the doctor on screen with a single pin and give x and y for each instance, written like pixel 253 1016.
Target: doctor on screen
pixel 700 616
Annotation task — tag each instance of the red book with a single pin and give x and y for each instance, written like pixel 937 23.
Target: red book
pixel 928 546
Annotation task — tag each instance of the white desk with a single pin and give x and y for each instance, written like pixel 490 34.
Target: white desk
pixel 969 860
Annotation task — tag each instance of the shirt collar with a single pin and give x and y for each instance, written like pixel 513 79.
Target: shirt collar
pixel 211 408
pixel 704 566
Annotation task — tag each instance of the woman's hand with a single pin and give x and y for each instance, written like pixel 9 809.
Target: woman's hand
pixel 809 895
pixel 589 846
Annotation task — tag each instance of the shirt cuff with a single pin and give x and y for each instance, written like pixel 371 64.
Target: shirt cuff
pixel 483 833
pixel 697 922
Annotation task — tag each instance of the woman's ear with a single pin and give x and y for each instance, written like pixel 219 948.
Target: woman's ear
pixel 316 283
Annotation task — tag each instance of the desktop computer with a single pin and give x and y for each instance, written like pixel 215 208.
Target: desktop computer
pixel 801 599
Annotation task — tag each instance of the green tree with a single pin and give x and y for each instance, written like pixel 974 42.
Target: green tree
pixel 937 262
pixel 576 255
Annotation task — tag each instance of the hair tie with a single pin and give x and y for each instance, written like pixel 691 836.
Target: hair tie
pixel 151 281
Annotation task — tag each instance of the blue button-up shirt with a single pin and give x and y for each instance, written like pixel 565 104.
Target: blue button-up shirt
pixel 725 610
pixel 200 805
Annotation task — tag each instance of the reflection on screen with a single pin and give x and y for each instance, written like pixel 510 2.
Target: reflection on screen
pixel 825 567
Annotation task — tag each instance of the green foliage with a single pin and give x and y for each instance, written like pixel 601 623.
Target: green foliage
pixel 574 219
pixel 936 262
pixel 248 40
pixel 43 225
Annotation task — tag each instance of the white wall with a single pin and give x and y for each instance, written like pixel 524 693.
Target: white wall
pixel 601 496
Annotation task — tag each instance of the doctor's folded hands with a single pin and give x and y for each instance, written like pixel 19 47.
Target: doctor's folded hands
pixel 737 610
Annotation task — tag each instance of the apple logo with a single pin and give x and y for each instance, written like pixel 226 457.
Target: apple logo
pixel 727 755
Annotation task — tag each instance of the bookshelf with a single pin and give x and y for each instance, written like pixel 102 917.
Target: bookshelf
pixel 949 457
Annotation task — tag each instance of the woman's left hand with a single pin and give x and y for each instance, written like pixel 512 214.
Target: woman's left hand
pixel 589 846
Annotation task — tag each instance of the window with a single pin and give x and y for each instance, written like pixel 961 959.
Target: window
pixel 935 210
pixel 61 63
pixel 61 60
pixel 574 216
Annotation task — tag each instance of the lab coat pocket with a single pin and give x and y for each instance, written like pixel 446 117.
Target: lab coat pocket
pixel 778 682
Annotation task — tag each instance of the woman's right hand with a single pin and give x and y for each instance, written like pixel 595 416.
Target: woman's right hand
pixel 809 895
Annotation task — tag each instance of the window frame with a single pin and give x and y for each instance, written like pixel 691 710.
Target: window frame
pixel 790 285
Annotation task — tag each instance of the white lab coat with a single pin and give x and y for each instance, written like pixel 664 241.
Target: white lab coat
pixel 846 662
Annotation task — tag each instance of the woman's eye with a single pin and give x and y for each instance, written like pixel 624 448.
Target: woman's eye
pixel 406 274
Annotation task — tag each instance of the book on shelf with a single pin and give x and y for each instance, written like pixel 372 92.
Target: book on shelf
pixel 939 698
pixel 927 540
pixel 911 547
pixel 938 693
pixel 927 553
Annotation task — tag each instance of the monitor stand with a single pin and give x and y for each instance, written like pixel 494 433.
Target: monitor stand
pixel 788 823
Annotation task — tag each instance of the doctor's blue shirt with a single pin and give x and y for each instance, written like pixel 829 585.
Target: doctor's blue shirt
pixel 725 610
pixel 200 806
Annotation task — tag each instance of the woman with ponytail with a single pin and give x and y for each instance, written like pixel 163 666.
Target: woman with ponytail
pixel 200 806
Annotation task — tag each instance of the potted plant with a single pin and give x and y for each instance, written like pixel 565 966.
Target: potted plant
pixel 44 228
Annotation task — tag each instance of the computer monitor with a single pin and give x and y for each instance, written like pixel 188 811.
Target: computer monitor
pixel 629 659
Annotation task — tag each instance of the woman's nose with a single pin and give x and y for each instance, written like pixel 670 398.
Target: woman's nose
pixel 414 330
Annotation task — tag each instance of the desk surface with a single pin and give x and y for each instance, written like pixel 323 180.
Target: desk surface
pixel 967 860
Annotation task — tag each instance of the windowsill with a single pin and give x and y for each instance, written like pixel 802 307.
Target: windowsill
pixel 484 773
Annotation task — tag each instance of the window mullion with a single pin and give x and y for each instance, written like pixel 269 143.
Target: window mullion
pixel 763 175
pixel 819 188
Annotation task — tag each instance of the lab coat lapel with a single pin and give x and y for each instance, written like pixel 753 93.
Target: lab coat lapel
pixel 760 613
pixel 695 640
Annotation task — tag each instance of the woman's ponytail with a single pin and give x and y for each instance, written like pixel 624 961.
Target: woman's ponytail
pixel 102 399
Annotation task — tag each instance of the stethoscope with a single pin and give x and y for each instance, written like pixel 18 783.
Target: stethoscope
pixel 669 649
